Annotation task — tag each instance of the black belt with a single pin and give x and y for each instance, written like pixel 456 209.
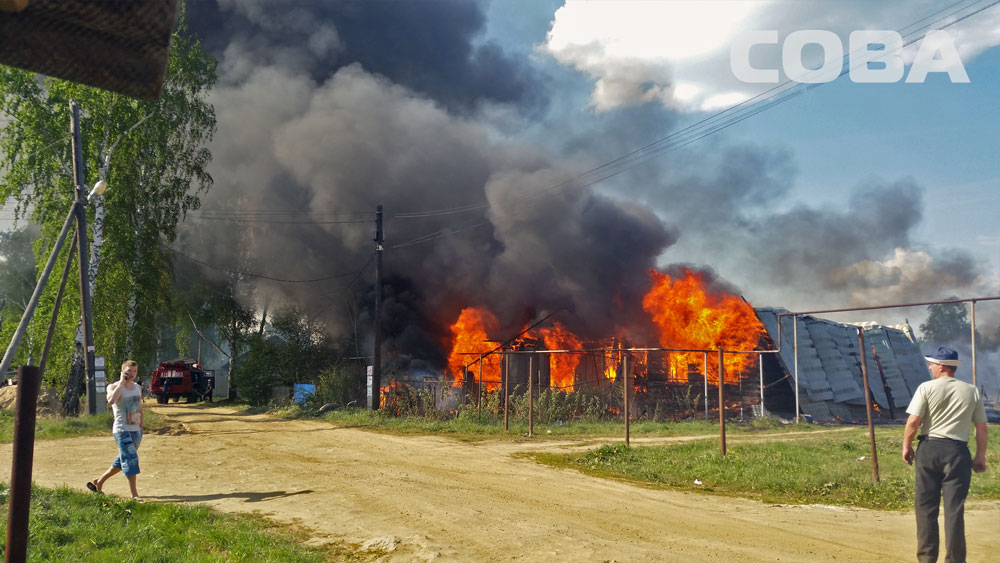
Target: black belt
pixel 923 437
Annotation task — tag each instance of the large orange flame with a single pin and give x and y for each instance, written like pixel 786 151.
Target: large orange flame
pixel 470 337
pixel 686 314
pixel 562 367
pixel 690 317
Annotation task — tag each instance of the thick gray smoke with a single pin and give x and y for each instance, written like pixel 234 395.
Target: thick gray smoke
pixel 431 48
pixel 291 139
pixel 336 107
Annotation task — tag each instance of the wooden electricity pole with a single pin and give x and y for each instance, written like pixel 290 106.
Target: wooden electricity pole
pixel 83 259
pixel 377 361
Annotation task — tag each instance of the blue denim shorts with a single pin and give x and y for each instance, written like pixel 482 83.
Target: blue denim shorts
pixel 128 456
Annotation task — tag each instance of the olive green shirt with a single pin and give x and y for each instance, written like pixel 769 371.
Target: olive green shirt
pixel 948 408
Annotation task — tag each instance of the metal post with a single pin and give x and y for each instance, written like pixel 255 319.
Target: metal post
pixel 22 327
pixel 868 401
pixel 741 397
pixel 722 404
pixel 479 391
pixel 377 360
pixel 795 352
pixel 760 363
pixel 625 393
pixel 506 392
pixel 29 379
pixel 531 395
pixel 604 371
pixel 704 371
pixel 974 380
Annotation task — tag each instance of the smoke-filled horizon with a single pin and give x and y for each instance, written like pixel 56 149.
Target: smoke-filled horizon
pixel 326 110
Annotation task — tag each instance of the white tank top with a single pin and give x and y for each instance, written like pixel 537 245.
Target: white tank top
pixel 126 409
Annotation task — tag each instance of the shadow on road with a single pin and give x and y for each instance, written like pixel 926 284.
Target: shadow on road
pixel 248 496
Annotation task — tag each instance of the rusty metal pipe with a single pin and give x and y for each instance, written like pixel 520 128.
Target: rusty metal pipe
pixel 897 306
pixel 868 401
pixel 531 395
pixel 974 380
pixel 760 364
pixel 795 352
pixel 479 392
pixel 506 393
pixel 722 404
pixel 625 393
pixel 704 372
pixel 29 379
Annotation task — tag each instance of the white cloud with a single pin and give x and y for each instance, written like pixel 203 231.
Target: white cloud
pixel 677 53
pixel 636 50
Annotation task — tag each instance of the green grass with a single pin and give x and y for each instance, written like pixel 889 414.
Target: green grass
pixel 54 428
pixel 71 526
pixel 817 469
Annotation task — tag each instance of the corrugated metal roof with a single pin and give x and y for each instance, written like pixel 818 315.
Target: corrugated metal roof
pixel 831 384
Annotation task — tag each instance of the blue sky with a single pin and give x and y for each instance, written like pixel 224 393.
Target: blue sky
pixel 839 135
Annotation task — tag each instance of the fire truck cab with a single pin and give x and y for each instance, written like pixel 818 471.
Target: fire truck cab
pixel 182 378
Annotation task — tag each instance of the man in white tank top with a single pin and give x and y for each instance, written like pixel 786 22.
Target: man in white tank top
pixel 125 398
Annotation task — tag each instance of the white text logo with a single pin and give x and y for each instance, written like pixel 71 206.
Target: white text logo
pixel 873 56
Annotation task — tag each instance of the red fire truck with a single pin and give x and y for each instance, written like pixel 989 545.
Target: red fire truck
pixel 182 378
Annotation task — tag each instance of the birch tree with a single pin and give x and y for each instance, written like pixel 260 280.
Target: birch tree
pixel 153 156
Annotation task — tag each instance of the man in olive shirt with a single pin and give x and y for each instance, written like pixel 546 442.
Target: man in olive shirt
pixel 945 410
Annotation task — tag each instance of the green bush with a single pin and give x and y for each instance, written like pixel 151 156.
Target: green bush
pixel 339 385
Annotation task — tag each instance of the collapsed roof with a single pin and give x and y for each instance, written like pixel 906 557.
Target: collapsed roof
pixel 829 366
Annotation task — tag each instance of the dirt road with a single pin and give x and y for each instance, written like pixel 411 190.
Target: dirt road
pixel 433 499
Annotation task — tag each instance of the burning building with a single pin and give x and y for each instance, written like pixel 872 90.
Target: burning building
pixel 666 352
pixel 673 361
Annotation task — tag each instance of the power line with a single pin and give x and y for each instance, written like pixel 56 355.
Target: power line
pixel 272 216
pixel 448 211
pixel 253 221
pixel 346 287
pixel 261 276
pixel 438 234
pixel 242 211
pixel 697 131
pixel 731 116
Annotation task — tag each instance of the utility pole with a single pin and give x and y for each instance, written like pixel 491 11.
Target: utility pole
pixel 377 361
pixel 83 259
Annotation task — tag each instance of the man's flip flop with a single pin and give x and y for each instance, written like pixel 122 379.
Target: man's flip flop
pixel 93 487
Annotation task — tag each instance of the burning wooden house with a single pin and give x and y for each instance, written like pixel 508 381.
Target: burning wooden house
pixel 676 375
pixel 686 321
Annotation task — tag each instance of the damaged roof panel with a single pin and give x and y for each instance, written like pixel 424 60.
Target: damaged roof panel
pixel 831 383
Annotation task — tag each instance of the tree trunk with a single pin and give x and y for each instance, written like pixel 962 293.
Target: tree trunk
pixel 71 397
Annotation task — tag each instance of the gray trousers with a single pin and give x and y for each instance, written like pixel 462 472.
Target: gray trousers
pixel 942 466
